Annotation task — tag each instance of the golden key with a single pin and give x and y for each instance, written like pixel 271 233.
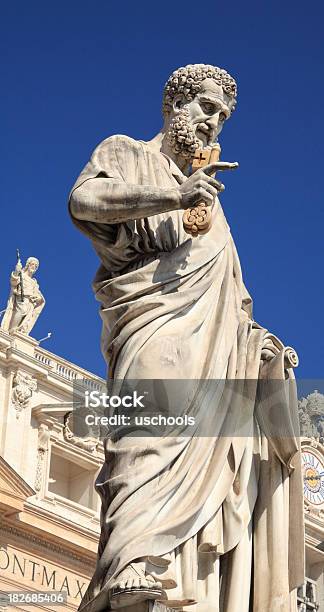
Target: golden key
pixel 197 220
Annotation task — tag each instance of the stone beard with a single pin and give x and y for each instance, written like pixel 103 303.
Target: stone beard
pixel 214 522
pixel 181 135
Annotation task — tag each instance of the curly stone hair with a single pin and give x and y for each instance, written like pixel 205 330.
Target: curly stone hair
pixel 187 80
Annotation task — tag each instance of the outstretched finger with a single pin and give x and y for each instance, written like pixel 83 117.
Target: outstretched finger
pixel 211 168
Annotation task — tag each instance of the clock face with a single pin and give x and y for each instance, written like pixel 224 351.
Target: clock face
pixel 313 478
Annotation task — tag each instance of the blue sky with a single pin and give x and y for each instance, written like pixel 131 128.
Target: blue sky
pixel 76 72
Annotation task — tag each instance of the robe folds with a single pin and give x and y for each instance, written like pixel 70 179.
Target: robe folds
pixel 22 314
pixel 223 511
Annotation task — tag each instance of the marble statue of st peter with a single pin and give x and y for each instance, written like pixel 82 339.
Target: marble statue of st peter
pixel 201 523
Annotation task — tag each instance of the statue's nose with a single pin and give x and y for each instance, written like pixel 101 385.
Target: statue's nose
pixel 213 122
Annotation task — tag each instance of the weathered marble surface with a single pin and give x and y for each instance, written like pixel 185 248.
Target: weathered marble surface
pixel 180 512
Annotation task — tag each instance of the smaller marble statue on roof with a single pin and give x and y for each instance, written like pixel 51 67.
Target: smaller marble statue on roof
pixel 25 301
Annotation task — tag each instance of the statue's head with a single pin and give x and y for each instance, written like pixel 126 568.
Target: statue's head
pixel 197 100
pixel 32 265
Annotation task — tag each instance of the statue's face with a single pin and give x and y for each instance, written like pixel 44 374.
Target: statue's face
pixel 196 124
pixel 208 112
pixel 32 267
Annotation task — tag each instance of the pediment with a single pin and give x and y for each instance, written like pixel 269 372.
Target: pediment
pixel 14 490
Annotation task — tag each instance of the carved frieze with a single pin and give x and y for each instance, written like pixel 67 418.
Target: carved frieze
pixel 23 386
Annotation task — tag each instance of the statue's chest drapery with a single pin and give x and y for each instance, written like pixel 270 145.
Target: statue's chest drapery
pixel 30 286
pixel 132 244
pixel 139 241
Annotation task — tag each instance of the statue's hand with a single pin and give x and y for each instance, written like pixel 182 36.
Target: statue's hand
pixel 36 300
pixel 201 187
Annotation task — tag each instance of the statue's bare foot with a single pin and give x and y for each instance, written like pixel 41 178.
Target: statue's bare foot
pixel 133 585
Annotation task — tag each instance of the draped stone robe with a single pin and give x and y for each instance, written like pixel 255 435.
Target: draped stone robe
pixel 224 512
pixel 23 314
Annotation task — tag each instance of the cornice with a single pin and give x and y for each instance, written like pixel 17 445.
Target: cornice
pixel 45 544
pixel 15 356
pixel 20 349
pixel 47 514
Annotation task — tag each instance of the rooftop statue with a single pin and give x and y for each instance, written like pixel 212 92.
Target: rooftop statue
pixel 201 522
pixel 25 301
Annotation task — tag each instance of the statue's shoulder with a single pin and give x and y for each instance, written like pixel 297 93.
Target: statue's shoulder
pixel 119 142
pixel 115 151
pixel 112 155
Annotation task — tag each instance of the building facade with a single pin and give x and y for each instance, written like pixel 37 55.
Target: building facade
pixel 49 509
pixel 311 410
